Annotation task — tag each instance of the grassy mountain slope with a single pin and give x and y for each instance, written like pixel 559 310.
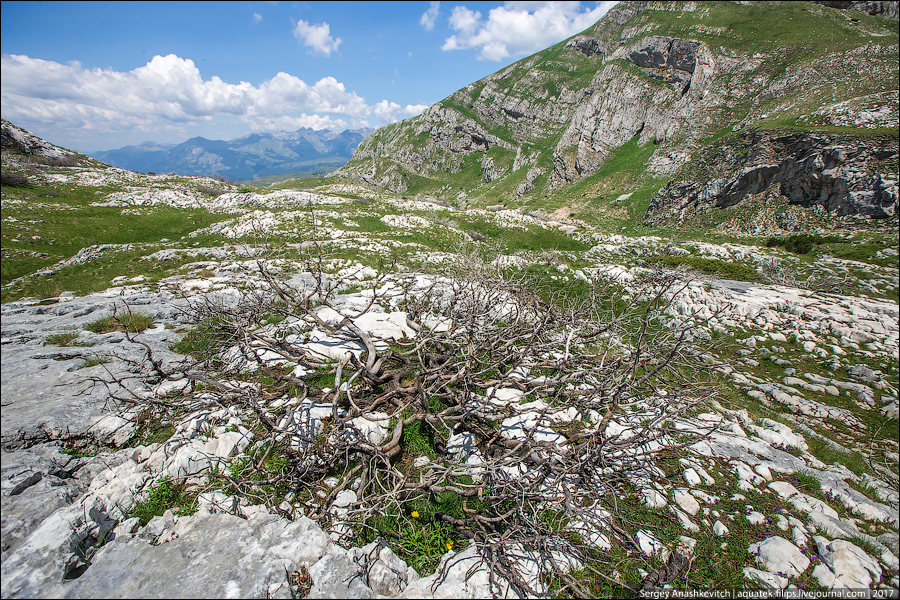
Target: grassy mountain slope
pixel 625 105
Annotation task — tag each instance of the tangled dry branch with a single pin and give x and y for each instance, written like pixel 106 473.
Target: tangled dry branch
pixel 526 411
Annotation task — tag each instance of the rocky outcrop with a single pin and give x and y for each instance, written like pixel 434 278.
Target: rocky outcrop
pixel 17 141
pixel 35 411
pixel 666 59
pixel 841 174
pixel 621 104
pixel 879 8
pixel 641 73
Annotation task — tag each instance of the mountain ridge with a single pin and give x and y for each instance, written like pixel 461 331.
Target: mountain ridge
pixel 666 79
pixel 244 158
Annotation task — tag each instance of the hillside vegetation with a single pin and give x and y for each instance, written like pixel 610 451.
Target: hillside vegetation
pixel 632 101
pixel 621 317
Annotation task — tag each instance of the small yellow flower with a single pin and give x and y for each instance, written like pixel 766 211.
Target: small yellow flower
pixel 415 514
pixel 449 545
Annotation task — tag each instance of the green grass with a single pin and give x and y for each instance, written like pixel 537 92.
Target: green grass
pixel 125 322
pixel 93 362
pixel 862 252
pixel 95 275
pixel 416 535
pixel 52 223
pixel 419 542
pixel 806 483
pixel 303 179
pixel 823 31
pixel 709 266
pixel 152 428
pixel 595 198
pixel 828 455
pixel 61 339
pixel 533 238
pixel 417 439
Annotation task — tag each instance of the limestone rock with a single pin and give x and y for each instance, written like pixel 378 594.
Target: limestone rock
pixel 215 556
pixel 766 579
pixel 777 555
pixel 686 501
pixel 850 566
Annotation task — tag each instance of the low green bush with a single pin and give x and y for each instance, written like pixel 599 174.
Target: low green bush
pixel 165 495
pixel 13 179
pixel 801 243
pixel 710 266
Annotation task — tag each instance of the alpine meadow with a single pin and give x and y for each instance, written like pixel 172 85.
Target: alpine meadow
pixel 621 318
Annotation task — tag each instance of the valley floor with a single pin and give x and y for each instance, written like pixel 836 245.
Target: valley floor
pixel 555 409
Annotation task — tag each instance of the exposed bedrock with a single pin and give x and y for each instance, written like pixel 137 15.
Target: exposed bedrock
pixel 839 174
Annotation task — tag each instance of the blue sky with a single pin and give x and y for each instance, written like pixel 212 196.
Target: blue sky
pixel 101 75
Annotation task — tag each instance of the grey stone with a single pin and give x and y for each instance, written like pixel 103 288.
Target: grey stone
pixel 38 381
pixel 851 566
pixel 214 556
pixel 777 555
pixel 157 527
pixel 62 480
pixel 765 579
pixel 338 576
pixel 386 573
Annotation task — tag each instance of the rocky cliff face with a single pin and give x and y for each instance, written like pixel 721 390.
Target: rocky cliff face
pixel 670 77
pixel 840 174
pixel 881 8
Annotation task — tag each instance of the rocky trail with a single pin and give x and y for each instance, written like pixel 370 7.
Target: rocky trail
pixel 778 451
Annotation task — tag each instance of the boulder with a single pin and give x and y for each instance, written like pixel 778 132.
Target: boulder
pixel 777 555
pixel 849 565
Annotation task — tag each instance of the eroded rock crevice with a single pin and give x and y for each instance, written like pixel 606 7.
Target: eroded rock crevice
pixel 838 174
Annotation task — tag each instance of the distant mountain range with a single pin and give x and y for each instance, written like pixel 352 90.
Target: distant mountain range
pixel 242 159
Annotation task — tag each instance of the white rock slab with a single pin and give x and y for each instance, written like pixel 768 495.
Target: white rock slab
pixel 685 520
pixel 691 477
pixel 851 566
pixel 778 555
pixel 719 529
pixel 801 501
pixel 686 501
pixel 651 545
pixel 519 427
pixel 765 579
pixel 799 537
pixel 591 534
pixel 374 429
pixel 653 498
pixel 756 518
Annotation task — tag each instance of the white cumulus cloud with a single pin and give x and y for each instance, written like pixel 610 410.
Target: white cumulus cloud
pixel 391 111
pixel 168 97
pixel 257 17
pixel 288 123
pixel 519 28
pixel 429 17
pixel 318 37
pixel 167 92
